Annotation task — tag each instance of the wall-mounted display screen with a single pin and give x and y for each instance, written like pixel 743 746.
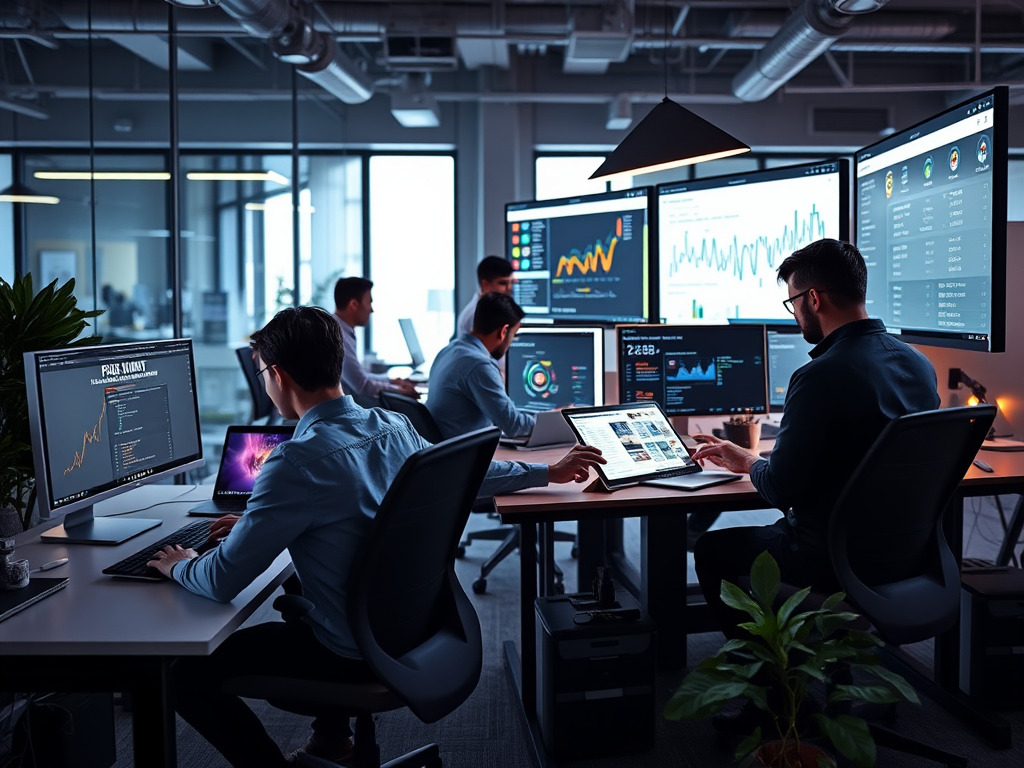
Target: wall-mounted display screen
pixel 582 259
pixel 694 370
pixel 931 225
pixel 720 240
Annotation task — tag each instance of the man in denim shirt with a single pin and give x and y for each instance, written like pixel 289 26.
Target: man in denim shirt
pixel 859 378
pixel 315 497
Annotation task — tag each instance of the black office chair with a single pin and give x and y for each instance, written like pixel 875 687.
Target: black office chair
pixel 412 621
pixel 507 535
pixel 262 405
pixel 886 539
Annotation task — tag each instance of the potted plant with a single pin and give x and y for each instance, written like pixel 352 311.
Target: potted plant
pixel 785 656
pixel 29 321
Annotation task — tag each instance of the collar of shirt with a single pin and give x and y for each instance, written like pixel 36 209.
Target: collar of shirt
pixel 324 410
pixel 855 328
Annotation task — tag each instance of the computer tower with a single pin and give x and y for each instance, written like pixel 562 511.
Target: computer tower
pixel 595 680
pixel 992 636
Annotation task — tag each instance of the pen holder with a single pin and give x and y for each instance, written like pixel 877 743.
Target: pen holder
pixel 16 574
pixel 744 435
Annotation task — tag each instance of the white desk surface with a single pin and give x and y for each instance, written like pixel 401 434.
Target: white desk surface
pixel 98 615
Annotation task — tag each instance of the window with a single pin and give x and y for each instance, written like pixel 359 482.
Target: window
pixel 556 176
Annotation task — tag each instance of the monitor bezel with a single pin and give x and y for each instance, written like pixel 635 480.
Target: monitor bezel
pixel 1000 141
pixel 650 263
pixel 596 331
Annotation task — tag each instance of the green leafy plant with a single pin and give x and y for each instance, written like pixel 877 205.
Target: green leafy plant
pixel 29 321
pixel 784 657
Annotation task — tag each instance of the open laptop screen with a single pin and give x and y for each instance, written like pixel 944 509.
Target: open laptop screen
pixel 554 367
pixel 245 451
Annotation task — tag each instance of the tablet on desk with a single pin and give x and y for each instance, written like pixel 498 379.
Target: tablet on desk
pixel 640 446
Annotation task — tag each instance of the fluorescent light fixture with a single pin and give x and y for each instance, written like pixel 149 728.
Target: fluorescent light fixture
pixel 237 176
pixel 104 175
pixel 417 109
pixel 671 136
pixel 19 193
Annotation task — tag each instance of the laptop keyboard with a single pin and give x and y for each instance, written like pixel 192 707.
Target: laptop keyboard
pixel 134 566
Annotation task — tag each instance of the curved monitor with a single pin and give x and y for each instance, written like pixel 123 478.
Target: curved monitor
pixel 721 239
pixel 931 225
pixel 555 367
pixel 694 370
pixel 105 420
pixel 582 259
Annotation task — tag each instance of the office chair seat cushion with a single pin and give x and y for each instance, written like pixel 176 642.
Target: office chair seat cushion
pixel 301 696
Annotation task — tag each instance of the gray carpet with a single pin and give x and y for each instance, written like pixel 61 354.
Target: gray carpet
pixel 486 730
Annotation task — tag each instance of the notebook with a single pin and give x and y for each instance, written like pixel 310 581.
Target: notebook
pixel 640 446
pixel 14 600
pixel 549 430
pixel 245 450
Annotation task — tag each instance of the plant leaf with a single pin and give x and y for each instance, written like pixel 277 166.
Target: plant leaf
pixel 850 736
pixel 764 581
pixel 734 597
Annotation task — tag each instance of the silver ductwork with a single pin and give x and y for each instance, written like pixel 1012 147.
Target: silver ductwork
pixel 805 35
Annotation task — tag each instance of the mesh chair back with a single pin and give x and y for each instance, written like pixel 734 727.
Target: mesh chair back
pixel 414 623
pixel 885 531
pixel 416 412
pixel 262 405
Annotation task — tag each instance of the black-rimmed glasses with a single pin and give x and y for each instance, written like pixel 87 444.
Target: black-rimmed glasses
pixel 788 303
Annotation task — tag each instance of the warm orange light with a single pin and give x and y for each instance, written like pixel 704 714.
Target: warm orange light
pixel 972 400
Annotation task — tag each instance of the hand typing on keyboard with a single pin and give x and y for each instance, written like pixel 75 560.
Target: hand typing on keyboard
pixel 165 558
pixel 222 526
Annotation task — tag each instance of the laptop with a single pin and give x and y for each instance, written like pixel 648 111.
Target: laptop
pixel 549 431
pixel 245 450
pixel 412 341
pixel 641 447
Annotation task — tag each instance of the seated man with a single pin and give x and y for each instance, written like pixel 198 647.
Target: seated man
pixel 859 378
pixel 466 388
pixel 353 305
pixel 494 275
pixel 313 499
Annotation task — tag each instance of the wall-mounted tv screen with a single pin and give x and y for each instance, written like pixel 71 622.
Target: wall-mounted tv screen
pixel 582 258
pixel 721 239
pixel 694 370
pixel 931 224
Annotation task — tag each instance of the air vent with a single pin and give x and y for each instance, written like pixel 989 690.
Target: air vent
pixel 421 53
pixel 873 120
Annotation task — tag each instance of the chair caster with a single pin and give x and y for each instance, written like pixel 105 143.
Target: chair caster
pixel 460 552
pixel 480 586
pixel 574 552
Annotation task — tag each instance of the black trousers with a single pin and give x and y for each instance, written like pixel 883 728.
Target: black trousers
pixel 729 553
pixel 226 721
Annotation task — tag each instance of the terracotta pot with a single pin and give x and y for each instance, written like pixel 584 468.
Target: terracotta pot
pixel 744 435
pixel 808 756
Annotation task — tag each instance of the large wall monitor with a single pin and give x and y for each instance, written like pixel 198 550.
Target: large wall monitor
pixel 787 351
pixel 555 367
pixel 931 224
pixel 105 420
pixel 694 370
pixel 720 240
pixel 582 259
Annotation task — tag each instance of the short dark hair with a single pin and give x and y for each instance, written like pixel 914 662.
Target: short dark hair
pixel 304 341
pixel 832 266
pixel 494 310
pixel 348 288
pixel 491 268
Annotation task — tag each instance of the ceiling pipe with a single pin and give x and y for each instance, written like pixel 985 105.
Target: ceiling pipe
pixel 808 32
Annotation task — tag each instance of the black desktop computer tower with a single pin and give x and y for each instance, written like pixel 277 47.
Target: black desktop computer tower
pixel 595 680
pixel 992 636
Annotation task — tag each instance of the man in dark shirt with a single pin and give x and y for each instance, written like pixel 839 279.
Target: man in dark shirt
pixel 859 378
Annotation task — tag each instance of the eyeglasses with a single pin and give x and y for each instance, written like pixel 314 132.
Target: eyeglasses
pixel 788 303
pixel 268 367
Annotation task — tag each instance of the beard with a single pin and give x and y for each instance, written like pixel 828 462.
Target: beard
pixel 810 327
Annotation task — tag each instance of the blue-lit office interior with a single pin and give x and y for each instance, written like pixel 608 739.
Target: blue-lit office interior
pixel 198 165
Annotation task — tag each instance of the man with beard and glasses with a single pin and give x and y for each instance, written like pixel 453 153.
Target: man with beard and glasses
pixel 466 388
pixel 859 378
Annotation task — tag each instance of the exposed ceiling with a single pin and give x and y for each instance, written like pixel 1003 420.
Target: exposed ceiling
pixel 621 52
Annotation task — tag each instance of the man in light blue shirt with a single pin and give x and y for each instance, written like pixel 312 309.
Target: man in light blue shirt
pixel 315 498
pixel 466 388
pixel 494 275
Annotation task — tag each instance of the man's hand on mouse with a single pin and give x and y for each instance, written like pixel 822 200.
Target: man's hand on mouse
pixel 722 453
pixel 164 559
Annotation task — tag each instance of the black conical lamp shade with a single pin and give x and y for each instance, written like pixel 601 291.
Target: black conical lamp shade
pixel 19 193
pixel 670 136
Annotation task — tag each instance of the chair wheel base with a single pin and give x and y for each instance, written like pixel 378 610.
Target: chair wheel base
pixel 480 586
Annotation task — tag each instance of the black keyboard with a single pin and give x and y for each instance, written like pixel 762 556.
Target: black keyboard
pixel 134 566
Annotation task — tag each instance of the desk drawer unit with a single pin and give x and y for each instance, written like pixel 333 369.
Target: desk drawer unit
pixel 992 636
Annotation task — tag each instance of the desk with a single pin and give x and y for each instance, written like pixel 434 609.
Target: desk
pixel 663 553
pixel 104 634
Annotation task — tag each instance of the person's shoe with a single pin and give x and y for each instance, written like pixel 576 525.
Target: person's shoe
pixel 336 751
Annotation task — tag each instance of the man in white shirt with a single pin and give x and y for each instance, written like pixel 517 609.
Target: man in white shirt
pixel 353 305
pixel 494 274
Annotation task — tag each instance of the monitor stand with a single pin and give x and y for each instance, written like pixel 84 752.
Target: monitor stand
pixel 80 527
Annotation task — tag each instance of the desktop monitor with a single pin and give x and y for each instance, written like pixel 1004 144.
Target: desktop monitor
pixel 553 367
pixel 787 351
pixel 412 341
pixel 105 420
pixel 720 240
pixel 694 370
pixel 931 225
pixel 582 259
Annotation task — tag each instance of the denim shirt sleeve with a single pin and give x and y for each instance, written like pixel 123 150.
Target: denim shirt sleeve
pixel 509 476
pixel 488 391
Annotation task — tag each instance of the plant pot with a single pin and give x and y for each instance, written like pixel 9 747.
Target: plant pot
pixel 744 435
pixel 10 522
pixel 808 756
